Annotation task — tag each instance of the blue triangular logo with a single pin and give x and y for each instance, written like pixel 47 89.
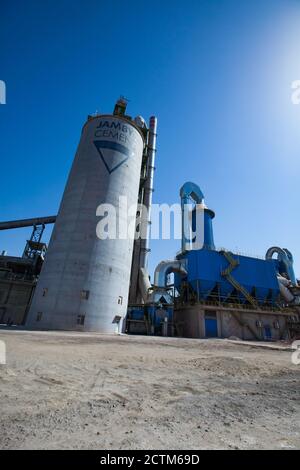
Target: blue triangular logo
pixel 112 154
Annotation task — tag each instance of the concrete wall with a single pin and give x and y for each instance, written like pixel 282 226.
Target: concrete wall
pixel 14 300
pixel 190 322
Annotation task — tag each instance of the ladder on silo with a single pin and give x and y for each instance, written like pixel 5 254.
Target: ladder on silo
pixel 233 263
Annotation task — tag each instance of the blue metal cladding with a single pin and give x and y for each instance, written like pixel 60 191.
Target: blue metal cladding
pixel 257 276
pixel 138 313
pixel 208 230
pixel 208 240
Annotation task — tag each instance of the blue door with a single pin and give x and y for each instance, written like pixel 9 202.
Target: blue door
pixel 268 332
pixel 211 328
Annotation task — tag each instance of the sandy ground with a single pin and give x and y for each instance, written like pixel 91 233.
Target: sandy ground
pixel 88 391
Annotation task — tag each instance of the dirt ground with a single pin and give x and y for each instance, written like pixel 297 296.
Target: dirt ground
pixel 88 391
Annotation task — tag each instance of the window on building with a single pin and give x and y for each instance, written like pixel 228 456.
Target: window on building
pixel 45 291
pixel 39 316
pixel 85 294
pixel 80 319
pixel 120 300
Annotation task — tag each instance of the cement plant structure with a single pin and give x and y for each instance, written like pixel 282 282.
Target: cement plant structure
pixel 85 283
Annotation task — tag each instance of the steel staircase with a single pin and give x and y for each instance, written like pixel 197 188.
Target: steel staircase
pixel 233 263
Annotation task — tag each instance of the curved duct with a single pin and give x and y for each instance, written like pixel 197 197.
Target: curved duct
pixel 285 259
pixel 166 267
pixel 152 294
pixel 286 276
pixel 190 219
pixel 191 190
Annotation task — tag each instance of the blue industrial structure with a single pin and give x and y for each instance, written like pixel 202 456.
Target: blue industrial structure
pixel 156 318
pixel 206 270
pixel 228 277
pixel 204 275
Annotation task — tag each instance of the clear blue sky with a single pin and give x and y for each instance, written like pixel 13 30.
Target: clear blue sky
pixel 218 75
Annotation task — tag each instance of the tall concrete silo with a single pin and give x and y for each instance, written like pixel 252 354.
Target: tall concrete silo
pixel 84 281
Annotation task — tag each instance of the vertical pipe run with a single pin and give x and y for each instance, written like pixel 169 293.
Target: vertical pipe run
pixel 148 191
pixel 184 224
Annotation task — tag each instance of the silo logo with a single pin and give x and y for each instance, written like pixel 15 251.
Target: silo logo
pixel 112 154
pixel 2 92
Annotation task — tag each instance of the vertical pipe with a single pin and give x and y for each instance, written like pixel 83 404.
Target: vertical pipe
pixel 148 191
pixel 184 223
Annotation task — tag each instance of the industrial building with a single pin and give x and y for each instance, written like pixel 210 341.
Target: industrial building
pixel 18 275
pixel 216 293
pixel 86 283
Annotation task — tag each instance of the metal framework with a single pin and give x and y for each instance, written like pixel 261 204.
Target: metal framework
pixel 34 246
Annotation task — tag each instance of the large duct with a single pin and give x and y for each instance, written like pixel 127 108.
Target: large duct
pixel 141 244
pixel 144 284
pixel 148 191
pixel 166 267
pixel 284 290
pixel 197 229
pixel 285 262
pixel 27 222
pixel 85 280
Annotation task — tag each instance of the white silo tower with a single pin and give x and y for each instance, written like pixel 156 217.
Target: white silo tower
pixel 84 281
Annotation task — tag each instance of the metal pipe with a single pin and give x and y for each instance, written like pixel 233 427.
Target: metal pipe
pixel 285 258
pixel 166 267
pixel 191 191
pixel 144 284
pixel 285 292
pixel 148 191
pixel 27 222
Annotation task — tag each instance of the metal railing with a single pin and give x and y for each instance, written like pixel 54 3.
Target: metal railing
pixel 190 296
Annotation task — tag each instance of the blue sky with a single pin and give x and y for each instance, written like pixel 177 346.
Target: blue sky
pixel 216 73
